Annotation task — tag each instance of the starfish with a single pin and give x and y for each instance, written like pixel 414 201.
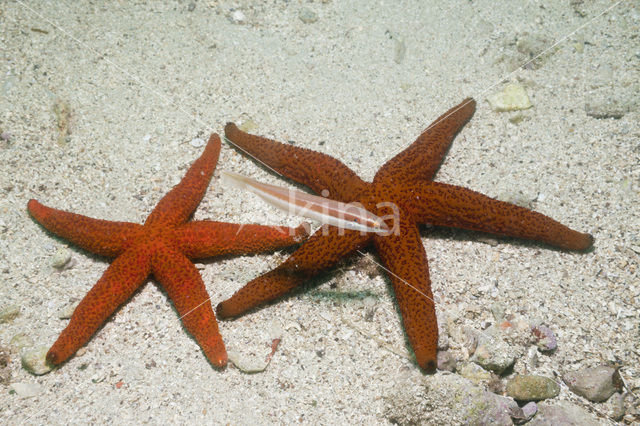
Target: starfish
pixel 405 188
pixel 163 246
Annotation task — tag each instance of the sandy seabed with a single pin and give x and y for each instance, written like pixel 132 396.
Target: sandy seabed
pixel 99 108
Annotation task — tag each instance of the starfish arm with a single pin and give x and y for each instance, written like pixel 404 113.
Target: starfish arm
pixel 423 157
pixel 406 261
pixel 121 279
pixel 184 286
pixel 182 200
pixel 318 171
pixel 101 237
pixel 449 205
pixel 319 252
pixel 209 238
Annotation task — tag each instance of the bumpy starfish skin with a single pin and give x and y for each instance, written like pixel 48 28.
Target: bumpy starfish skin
pixel 163 246
pixel 406 183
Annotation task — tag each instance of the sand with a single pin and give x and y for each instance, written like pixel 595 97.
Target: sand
pixel 100 105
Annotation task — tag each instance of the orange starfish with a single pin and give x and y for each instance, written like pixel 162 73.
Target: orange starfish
pixel 162 246
pixel 404 186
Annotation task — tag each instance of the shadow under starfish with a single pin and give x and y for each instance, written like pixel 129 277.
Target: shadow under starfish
pixel 163 246
pixel 405 188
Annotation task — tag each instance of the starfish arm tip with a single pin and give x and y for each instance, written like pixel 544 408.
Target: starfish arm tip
pixel 221 312
pixel 217 355
pixel 586 242
pixel 54 358
pixel 428 365
pixel 230 126
pixel 33 206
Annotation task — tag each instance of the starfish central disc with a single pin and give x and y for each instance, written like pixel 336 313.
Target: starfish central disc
pixel 163 247
pixel 405 183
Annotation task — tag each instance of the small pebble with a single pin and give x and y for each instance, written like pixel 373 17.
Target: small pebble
pixel 292 325
pixel 532 358
pixel 494 354
pixel 532 388
pixel 498 311
pixel 470 339
pixel 9 313
pixel 596 384
pixel 446 361
pixel 474 372
pixel 307 15
pixel 615 407
pixel 61 258
pixel 517 118
pixel 544 338
pixel 519 198
pixel 191 7
pixel 512 98
pixel 247 364
pixel 26 390
pixel 529 410
pixel 237 17
pixel 35 360
pixel 523 414
pixel 606 108
pixel 399 51
pixel 197 142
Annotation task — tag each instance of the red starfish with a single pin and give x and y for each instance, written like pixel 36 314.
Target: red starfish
pixel 405 183
pixel 162 246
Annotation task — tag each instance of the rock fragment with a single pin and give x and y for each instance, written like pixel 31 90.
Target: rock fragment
pixel 615 407
pixel 446 361
pixel 562 413
pixel 237 17
pixel 474 372
pixel 606 108
pixel 197 142
pixel 35 360
pixel 26 390
pixel 529 387
pixel 307 15
pixel 544 338
pixel 596 384
pixel 61 258
pixel 494 354
pixel 512 98
pixel 529 410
